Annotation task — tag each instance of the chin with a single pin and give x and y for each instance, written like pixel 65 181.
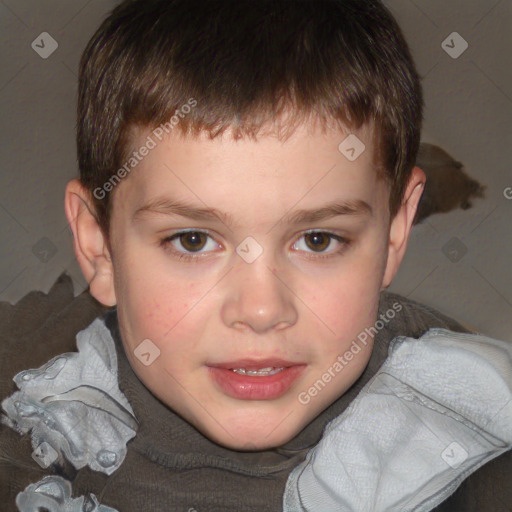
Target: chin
pixel 250 437
pixel 250 443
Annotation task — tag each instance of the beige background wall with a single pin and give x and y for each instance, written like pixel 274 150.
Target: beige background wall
pixel 468 112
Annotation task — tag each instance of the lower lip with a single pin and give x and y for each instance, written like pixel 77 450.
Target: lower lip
pixel 247 387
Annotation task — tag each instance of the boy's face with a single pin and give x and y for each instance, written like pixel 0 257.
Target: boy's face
pixel 252 289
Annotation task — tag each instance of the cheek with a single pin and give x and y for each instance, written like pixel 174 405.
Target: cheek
pixel 349 303
pixel 154 310
pixel 160 307
pixel 348 313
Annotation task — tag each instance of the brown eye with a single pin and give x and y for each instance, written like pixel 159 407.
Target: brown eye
pixel 317 241
pixel 190 246
pixel 193 240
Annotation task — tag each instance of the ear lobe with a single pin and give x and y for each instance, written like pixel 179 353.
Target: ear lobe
pixel 401 225
pixel 89 243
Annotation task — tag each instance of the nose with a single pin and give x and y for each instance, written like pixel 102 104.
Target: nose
pixel 258 298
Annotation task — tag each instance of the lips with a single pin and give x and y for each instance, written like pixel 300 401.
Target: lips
pixel 250 379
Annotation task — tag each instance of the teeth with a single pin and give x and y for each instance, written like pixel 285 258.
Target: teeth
pixel 255 373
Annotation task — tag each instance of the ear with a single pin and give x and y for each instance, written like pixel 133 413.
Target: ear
pixel 401 224
pixel 90 246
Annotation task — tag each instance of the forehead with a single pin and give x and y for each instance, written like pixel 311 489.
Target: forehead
pixel 309 167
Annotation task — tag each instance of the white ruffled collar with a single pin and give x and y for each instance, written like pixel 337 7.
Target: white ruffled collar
pixel 73 406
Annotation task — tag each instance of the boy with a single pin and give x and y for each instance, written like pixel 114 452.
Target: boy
pixel 247 190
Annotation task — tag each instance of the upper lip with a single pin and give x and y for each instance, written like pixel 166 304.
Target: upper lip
pixel 255 364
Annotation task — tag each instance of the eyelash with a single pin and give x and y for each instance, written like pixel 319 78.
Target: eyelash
pixel 196 257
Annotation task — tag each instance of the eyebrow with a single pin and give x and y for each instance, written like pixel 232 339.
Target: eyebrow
pixel 165 206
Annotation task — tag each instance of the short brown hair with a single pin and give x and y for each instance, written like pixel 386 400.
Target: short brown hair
pixel 245 62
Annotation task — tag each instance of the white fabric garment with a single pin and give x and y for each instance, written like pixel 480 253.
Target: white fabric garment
pixel 438 409
pixel 53 494
pixel 73 406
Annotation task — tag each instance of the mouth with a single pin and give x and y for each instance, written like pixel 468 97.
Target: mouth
pixel 255 380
